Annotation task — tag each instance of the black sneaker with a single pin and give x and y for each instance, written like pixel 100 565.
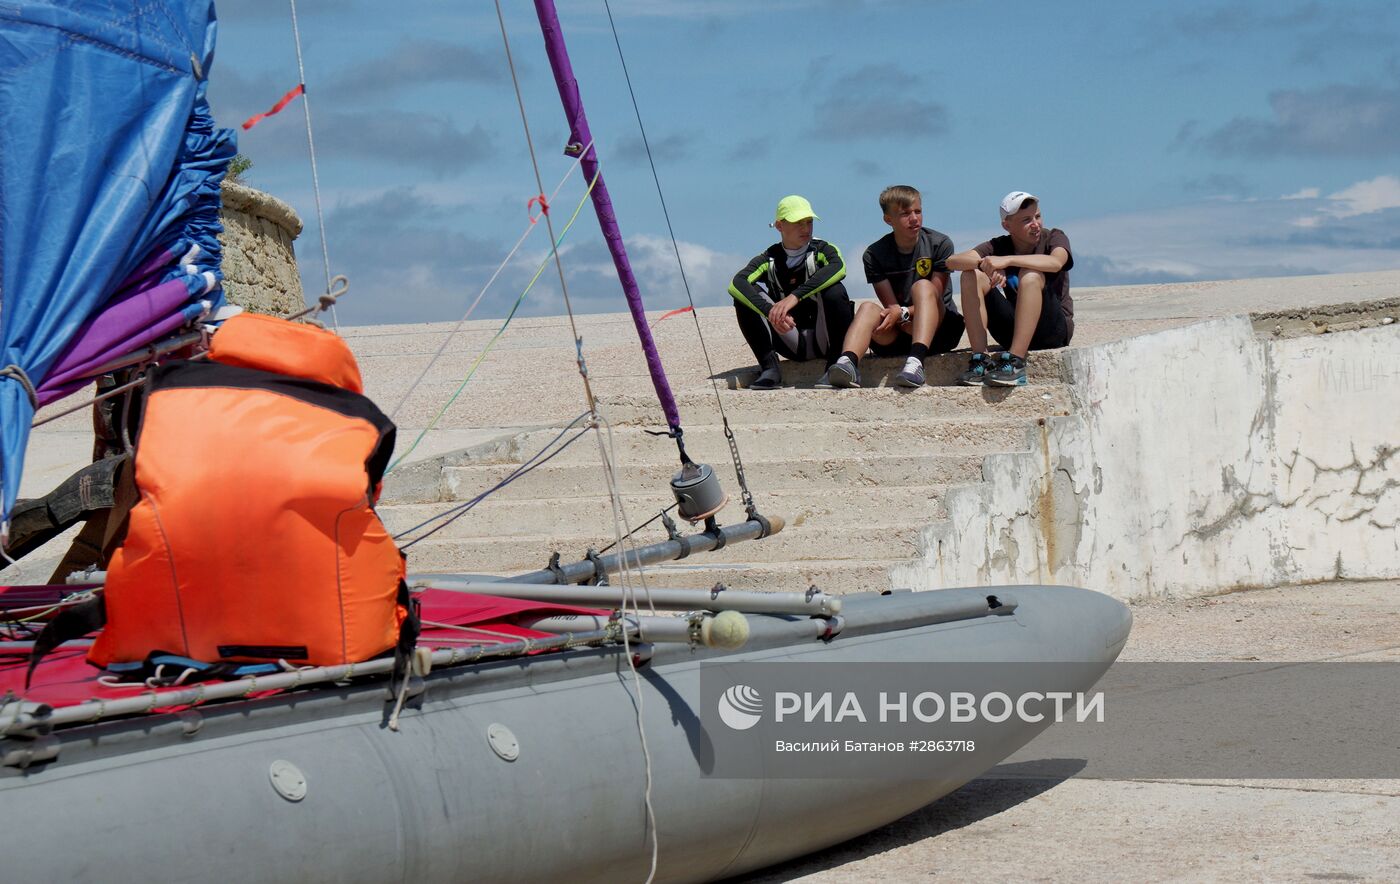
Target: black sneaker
pixel 976 374
pixel 768 379
pixel 1010 372
pixel 770 376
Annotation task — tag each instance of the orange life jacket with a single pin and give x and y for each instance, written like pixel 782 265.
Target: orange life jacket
pixel 255 537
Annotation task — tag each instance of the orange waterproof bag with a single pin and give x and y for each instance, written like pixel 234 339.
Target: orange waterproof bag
pixel 255 537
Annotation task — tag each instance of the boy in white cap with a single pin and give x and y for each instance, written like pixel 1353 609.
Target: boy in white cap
pixel 1015 287
pixel 789 299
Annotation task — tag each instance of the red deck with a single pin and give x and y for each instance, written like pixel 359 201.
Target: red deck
pixel 65 678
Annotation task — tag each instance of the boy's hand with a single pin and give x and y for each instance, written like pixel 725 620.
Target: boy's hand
pixel 889 318
pixel 995 268
pixel 778 316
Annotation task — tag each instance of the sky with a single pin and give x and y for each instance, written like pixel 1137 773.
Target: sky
pixel 1171 141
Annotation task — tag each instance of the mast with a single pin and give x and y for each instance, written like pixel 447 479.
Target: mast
pixel 581 140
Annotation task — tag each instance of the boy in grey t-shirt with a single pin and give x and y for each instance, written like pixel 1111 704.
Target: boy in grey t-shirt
pixel 915 314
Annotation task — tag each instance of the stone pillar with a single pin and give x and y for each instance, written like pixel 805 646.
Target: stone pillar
pixel 260 266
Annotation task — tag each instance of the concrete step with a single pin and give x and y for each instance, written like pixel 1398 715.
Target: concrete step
pixel 1042 367
pixel 524 552
pixel 926 404
pixel 386 361
pixel 633 445
pixel 503 518
pixel 816 475
pixel 499 402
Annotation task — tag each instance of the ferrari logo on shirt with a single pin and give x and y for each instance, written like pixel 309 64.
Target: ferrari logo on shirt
pixel 923 267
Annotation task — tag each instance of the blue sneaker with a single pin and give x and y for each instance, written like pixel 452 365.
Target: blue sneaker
pixel 976 374
pixel 1010 372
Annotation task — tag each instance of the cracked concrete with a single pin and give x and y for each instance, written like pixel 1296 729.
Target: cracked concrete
pixel 1282 470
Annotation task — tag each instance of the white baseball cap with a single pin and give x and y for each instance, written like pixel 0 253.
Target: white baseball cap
pixel 1012 202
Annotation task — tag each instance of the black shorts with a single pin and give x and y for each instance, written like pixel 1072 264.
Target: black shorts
pixel 1051 330
pixel 945 338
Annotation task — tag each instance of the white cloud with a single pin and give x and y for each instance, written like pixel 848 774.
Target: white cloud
pixel 1362 198
pixel 1366 197
pixel 1349 231
pixel 593 283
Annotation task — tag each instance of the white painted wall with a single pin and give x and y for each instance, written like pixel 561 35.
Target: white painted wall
pixel 1197 460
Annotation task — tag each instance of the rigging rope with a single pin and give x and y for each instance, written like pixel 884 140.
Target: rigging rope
pixel 14 371
pixel 530 228
pixel 624 579
pixel 632 531
pixel 619 515
pixel 539 183
pixel 500 331
pixel 685 281
pixel 311 149
pixel 460 510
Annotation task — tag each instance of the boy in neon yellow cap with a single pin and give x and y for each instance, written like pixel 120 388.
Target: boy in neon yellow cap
pixel 789 299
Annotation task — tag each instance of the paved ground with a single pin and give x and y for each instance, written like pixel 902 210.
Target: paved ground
pixel 1096 830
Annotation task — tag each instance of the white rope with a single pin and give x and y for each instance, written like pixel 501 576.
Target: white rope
pixel 623 542
pixel 447 339
pixel 311 149
pixel 619 520
pixel 685 281
pixel 481 630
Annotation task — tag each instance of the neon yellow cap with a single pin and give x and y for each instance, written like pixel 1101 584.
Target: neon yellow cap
pixel 794 208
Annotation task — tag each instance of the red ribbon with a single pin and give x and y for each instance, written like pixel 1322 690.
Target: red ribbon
pixel 678 311
pixel 544 207
pixel 300 89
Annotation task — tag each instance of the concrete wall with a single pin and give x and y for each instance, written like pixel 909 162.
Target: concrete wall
pixel 1195 461
pixel 260 268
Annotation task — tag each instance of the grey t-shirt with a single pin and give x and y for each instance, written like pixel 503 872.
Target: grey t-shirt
pixel 884 261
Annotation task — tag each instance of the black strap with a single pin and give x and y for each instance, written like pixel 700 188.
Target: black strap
pixel 74 621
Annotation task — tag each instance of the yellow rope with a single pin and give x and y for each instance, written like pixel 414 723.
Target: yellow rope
pixel 487 349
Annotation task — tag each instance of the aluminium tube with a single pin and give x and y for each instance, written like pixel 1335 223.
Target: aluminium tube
pixel 728 629
pixel 747 601
pixel 665 551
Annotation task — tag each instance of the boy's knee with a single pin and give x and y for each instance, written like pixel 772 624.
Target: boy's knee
pixel 1033 278
pixel 975 282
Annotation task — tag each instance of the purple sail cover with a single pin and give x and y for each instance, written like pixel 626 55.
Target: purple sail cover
pixel 134 318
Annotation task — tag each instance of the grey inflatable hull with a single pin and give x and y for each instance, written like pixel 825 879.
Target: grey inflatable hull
pixel 192 798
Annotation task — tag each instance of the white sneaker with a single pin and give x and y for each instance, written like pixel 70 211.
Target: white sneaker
pixel 913 374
